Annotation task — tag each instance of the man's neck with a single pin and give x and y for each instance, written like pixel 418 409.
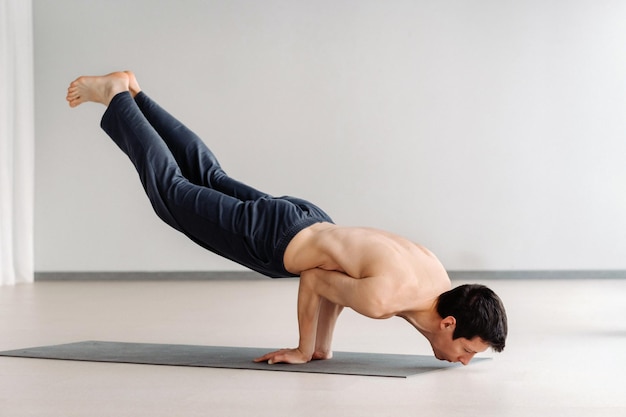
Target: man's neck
pixel 426 321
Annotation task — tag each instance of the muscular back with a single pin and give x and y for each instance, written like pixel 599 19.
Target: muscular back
pixel 363 253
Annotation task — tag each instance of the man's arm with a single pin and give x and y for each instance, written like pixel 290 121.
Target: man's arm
pixel 368 296
pixel 329 312
pixel 309 303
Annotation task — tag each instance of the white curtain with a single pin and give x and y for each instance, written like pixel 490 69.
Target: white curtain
pixel 16 142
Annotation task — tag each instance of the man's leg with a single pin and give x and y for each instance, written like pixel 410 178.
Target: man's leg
pixel 254 233
pixel 108 89
pixel 205 215
pixel 197 163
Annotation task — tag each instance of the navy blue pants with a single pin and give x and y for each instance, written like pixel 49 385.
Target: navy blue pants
pixel 189 190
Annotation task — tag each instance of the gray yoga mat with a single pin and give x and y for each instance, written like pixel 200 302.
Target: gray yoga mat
pixel 345 363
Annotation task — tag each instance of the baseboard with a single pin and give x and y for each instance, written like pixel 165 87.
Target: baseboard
pixel 466 276
pixel 147 276
pixel 537 274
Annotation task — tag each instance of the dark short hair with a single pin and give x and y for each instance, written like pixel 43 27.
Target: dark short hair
pixel 478 312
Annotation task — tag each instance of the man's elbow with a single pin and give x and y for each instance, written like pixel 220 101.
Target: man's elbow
pixel 379 308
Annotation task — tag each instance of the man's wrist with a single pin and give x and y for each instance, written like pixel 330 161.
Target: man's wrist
pixel 306 354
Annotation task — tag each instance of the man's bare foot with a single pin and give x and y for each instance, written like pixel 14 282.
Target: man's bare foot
pixel 98 89
pixel 133 84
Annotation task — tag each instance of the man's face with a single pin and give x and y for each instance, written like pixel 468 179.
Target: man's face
pixel 457 350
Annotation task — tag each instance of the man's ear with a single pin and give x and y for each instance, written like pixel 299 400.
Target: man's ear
pixel 448 323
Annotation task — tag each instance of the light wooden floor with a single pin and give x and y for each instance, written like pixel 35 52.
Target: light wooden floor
pixel 566 354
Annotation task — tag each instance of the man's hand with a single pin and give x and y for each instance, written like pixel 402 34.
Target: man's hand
pixel 293 356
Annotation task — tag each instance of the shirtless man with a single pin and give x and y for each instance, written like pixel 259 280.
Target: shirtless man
pixel 376 273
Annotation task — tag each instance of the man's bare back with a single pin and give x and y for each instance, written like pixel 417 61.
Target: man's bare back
pixel 410 271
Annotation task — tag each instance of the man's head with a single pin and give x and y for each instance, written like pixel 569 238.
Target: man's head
pixel 472 319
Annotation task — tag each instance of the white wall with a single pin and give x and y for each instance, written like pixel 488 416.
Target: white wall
pixel 491 131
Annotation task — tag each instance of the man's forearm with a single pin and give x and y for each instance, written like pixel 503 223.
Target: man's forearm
pixel 309 302
pixel 329 312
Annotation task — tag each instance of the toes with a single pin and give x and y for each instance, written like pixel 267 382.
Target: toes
pixel 72 89
pixel 72 97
